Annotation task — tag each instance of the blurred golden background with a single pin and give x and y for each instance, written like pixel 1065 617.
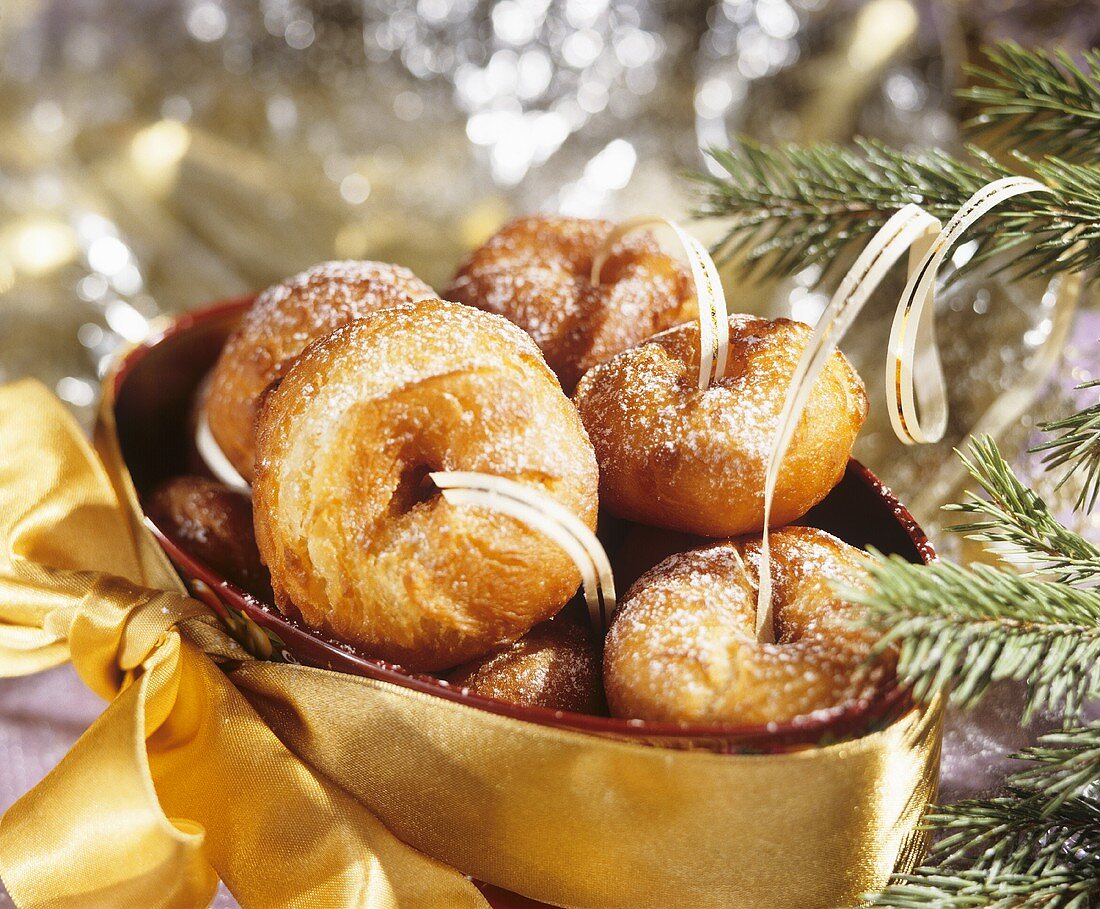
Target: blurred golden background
pixel 156 155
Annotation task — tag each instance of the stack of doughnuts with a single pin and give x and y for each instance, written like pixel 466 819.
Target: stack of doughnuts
pixel 343 390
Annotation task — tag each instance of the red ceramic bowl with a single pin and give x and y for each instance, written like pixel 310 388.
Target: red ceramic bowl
pixel 154 387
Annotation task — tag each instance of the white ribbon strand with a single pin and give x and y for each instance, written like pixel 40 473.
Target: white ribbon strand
pixel 548 516
pixel 214 458
pixel 713 315
pixel 909 229
pixel 912 351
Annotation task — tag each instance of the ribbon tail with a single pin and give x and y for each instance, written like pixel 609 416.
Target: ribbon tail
pixel 25 651
pixel 279 833
pixel 92 834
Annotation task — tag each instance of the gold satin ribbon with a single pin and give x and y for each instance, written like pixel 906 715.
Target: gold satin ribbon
pixel 303 787
pixel 179 782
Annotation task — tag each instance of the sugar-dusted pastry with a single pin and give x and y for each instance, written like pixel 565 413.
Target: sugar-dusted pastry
pixel 682 647
pixel 214 524
pixel 693 460
pixel 555 665
pixel 286 318
pixel 537 272
pixel 357 537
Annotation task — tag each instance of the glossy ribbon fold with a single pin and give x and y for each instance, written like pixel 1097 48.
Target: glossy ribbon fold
pixel 305 788
pixel 179 781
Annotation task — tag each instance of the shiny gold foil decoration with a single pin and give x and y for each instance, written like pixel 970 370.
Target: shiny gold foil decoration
pixel 303 787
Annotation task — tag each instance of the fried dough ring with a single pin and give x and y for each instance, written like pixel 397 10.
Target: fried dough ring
pixel 536 272
pixel 673 456
pixel 283 321
pixel 214 524
pixel 356 539
pixel 682 647
pixel 555 665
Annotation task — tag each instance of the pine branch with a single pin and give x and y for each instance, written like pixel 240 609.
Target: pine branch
pixel 1019 523
pixel 1077 448
pixel 1041 101
pixel 1067 765
pixel 1075 888
pixel 1017 832
pixel 962 629
pixel 792 206
pixel 1037 846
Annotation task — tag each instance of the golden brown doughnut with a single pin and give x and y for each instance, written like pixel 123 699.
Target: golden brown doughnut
pixel 537 272
pixel 214 524
pixel 555 665
pixel 355 536
pixel 283 321
pixel 674 456
pixel 682 646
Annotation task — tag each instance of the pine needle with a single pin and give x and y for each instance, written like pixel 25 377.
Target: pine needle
pixel 1018 522
pixel 1037 846
pixel 962 629
pixel 1065 889
pixel 1067 765
pixel 1077 449
pixel 1040 101
pixel 789 207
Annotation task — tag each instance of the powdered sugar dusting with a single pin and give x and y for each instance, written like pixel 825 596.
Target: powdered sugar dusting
pixel 344 447
pixel 673 455
pixel 555 665
pixel 286 318
pixel 536 272
pixel 683 646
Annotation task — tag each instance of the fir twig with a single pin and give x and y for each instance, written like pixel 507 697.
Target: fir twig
pixel 1016 832
pixel 962 629
pixel 1041 101
pixel 1067 765
pixel 1073 888
pixel 1077 448
pixel 790 206
pixel 1037 846
pixel 1019 524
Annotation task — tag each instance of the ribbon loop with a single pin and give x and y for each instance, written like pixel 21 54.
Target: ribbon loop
pixel 179 781
pixel 709 294
pixel 916 389
pixel 299 786
pixel 912 350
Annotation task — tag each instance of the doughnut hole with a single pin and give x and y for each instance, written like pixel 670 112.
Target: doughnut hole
pixel 356 536
pixel 682 646
pixel 536 272
pixel 693 460
pixel 283 321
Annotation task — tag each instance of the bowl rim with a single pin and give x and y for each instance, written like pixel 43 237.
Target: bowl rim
pixel 887 704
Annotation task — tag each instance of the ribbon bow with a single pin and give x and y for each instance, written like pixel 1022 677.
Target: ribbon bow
pixel 165 792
